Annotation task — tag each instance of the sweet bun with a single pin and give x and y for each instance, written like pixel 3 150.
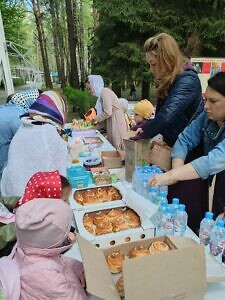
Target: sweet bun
pixel 120 224
pixel 100 217
pixel 120 286
pixel 90 229
pixel 113 194
pixel 138 251
pixel 104 227
pixel 158 246
pixel 114 214
pixel 79 197
pixel 87 220
pixel 115 260
pixel 102 194
pixel 132 218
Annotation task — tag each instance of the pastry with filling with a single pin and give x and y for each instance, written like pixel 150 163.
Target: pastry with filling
pixel 103 228
pixel 158 247
pixel 115 260
pixel 138 251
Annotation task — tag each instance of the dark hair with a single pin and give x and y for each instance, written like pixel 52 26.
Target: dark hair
pixel 217 83
pixel 65 182
pixel 9 98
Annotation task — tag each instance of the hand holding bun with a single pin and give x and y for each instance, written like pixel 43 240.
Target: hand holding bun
pixel 115 260
pixel 158 246
pixel 138 251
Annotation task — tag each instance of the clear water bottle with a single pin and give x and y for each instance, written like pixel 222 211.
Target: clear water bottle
pixel 135 177
pixel 160 196
pixel 168 221
pixel 206 226
pixel 175 204
pixel 145 188
pixel 158 216
pixel 164 188
pixel 180 221
pixel 217 240
pixel 153 192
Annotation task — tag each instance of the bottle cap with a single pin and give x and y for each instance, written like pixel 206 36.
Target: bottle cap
pixel 209 215
pixel 175 200
pixel 181 207
pixel 170 209
pixel 220 223
pixel 164 202
pixel 162 194
pixel 153 189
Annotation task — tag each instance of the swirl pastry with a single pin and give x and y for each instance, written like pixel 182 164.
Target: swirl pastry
pixel 90 229
pixel 90 197
pixel 120 286
pixel 132 218
pixel 138 251
pixel 100 217
pixel 114 214
pixel 87 220
pixel 120 224
pixel 113 194
pixel 79 197
pixel 115 260
pixel 157 247
pixel 104 227
pixel 102 194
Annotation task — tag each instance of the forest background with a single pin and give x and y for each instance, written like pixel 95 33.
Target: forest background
pixel 68 39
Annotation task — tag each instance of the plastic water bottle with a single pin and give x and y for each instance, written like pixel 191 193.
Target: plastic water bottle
pixel 135 177
pixel 145 188
pixel 160 196
pixel 180 221
pixel 164 188
pixel 175 204
pixel 168 221
pixel 206 228
pixel 158 217
pixel 153 192
pixel 217 240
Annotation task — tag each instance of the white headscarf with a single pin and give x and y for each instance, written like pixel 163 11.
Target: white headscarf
pixel 97 84
pixel 123 103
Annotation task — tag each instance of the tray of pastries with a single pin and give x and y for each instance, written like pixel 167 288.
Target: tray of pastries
pixel 97 195
pixel 110 220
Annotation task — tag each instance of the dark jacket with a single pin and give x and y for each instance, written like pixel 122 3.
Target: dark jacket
pixel 177 109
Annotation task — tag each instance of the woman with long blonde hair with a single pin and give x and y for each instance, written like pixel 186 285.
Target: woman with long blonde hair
pixel 179 100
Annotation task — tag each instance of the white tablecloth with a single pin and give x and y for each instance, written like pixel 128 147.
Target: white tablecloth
pixel 214 291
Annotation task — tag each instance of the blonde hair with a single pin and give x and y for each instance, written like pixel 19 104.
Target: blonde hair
pixel 169 58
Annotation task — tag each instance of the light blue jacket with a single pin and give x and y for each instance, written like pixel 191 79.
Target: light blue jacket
pixel 9 123
pixel 213 136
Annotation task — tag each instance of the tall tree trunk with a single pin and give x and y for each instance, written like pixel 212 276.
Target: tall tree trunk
pixel 81 41
pixel 57 38
pixel 42 42
pixel 116 87
pixel 145 93
pixel 72 41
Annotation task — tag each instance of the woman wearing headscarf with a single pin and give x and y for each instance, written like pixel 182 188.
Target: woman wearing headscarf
pixel 37 145
pixel 17 104
pixel 109 109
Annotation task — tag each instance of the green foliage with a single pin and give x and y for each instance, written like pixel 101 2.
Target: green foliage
pixel 18 81
pixel 79 98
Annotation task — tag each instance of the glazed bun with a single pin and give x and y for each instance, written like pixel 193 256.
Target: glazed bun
pixel 158 246
pixel 104 227
pixel 115 260
pixel 79 197
pixel 120 224
pixel 100 217
pixel 138 251
pixel 114 214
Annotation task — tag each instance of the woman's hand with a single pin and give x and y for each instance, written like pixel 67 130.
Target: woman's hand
pixel 160 179
pixel 139 131
pixel 82 280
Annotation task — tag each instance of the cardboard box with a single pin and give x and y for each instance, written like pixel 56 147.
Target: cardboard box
pixel 119 186
pixel 111 159
pixel 136 154
pixel 178 274
pixel 136 202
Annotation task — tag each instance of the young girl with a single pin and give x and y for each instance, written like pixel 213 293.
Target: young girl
pixel 46 185
pixel 42 229
pixel 143 111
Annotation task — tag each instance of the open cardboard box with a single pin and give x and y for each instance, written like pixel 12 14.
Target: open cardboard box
pixel 132 200
pixel 178 274
pixel 77 206
pixel 111 159
pixel 137 153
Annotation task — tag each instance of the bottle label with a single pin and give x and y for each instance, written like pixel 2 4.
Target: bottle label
pixel 204 237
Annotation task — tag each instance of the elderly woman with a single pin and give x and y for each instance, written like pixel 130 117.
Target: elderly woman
pixel 109 109
pixel 208 128
pixel 17 104
pixel 37 145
